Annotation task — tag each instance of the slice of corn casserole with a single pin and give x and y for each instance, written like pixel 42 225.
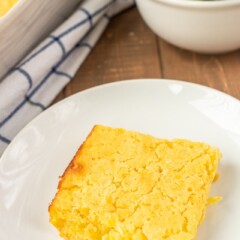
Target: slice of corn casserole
pixel 124 185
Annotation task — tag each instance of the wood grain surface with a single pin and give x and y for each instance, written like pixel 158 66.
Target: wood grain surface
pixel 129 50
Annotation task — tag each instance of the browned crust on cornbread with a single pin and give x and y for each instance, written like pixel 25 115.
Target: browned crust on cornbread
pixel 73 165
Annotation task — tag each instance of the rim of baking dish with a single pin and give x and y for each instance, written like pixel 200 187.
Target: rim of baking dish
pixel 12 10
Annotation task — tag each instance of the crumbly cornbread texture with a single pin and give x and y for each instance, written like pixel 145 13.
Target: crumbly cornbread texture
pixel 123 185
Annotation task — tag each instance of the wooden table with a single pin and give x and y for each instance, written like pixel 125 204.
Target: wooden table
pixel 129 50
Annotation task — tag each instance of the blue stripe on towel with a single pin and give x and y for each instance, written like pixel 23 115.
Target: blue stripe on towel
pixel 39 85
pixel 104 7
pixel 88 15
pixel 34 90
pixel 57 40
pixel 36 53
pixel 21 104
pixel 35 103
pixel 66 32
pixel 4 139
pixel 25 74
pixel 13 113
pixel 54 70
pixel 55 67
pixel 83 45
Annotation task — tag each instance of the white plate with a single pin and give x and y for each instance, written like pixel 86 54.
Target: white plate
pixel 30 167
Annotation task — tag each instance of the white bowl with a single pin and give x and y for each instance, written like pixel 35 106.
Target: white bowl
pixel 202 26
pixel 28 22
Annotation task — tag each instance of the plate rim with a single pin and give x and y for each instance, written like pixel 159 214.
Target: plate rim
pixel 116 83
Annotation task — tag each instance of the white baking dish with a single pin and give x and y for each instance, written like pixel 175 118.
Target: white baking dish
pixel 26 24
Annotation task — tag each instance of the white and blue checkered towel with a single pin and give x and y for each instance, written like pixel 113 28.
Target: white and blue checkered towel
pixel 36 81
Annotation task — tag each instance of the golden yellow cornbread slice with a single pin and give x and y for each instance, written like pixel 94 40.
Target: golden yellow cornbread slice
pixel 123 185
pixel 6 5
